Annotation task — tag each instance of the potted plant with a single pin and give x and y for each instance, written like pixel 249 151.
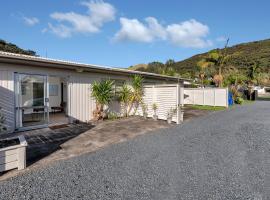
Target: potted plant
pixel 170 114
pixel 154 107
pixel 144 110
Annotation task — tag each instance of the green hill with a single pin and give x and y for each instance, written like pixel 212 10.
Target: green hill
pixel 241 57
pixel 12 48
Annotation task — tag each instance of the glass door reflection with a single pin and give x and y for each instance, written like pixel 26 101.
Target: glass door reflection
pixel 31 96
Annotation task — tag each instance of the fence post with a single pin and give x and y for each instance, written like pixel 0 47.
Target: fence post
pixel 178 104
pixel 182 93
pixel 203 97
pixel 193 97
pixel 227 97
pixel 214 96
pixel 154 93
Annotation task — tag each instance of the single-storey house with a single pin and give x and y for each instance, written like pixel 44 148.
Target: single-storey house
pixel 36 92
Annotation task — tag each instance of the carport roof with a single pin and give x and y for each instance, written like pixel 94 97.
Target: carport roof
pixel 6 57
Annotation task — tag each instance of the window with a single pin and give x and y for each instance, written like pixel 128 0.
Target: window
pixel 118 83
pixel 53 90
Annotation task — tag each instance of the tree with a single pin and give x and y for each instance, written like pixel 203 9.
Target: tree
pixel 155 67
pixel 216 58
pixel 103 94
pixel 262 78
pixel 12 48
pixel 218 79
pixel 124 97
pixel 202 66
pixel 170 63
pixel 253 72
pixel 136 93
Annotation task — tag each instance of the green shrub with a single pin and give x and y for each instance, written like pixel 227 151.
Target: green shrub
pixel 124 97
pixel 112 115
pixel 239 100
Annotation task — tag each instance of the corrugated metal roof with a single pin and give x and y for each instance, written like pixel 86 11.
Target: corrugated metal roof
pixel 7 55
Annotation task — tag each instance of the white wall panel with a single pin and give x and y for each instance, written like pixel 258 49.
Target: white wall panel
pixel 165 96
pixel 206 96
pixel 80 101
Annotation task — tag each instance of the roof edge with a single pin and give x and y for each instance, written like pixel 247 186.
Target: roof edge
pixel 28 58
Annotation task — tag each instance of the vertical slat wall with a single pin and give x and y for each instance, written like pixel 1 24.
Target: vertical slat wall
pixel 206 96
pixel 7 98
pixel 80 102
pixel 165 96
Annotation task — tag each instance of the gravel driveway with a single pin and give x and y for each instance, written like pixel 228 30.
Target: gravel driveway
pixel 225 155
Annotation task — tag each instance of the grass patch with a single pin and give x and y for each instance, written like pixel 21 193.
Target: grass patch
pixel 210 108
pixel 247 102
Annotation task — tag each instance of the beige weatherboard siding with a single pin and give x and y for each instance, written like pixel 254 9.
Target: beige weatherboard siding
pixel 78 79
pixel 7 97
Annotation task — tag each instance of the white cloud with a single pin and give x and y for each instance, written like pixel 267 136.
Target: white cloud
pixel 30 21
pixel 60 30
pixel 189 33
pixel 134 30
pixel 69 23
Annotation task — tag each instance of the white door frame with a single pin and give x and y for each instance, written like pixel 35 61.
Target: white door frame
pixel 18 113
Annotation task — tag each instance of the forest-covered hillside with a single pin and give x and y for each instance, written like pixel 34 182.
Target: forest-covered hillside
pixel 241 59
pixel 12 48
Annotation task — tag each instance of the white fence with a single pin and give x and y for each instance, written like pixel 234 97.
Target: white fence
pixel 206 96
pixel 166 97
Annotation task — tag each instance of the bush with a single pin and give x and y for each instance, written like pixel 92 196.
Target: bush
pixel 239 100
pixel 112 115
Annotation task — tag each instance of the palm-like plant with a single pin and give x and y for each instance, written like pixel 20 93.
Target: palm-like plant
pixel 124 97
pixel 136 94
pixel 218 59
pixel 253 72
pixel 202 66
pixel 103 94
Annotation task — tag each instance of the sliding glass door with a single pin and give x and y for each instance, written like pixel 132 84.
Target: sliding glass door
pixel 31 101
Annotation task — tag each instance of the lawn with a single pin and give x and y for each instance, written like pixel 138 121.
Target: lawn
pixel 210 108
pixel 247 102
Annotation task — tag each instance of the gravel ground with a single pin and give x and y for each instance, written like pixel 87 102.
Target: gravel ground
pixel 225 155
